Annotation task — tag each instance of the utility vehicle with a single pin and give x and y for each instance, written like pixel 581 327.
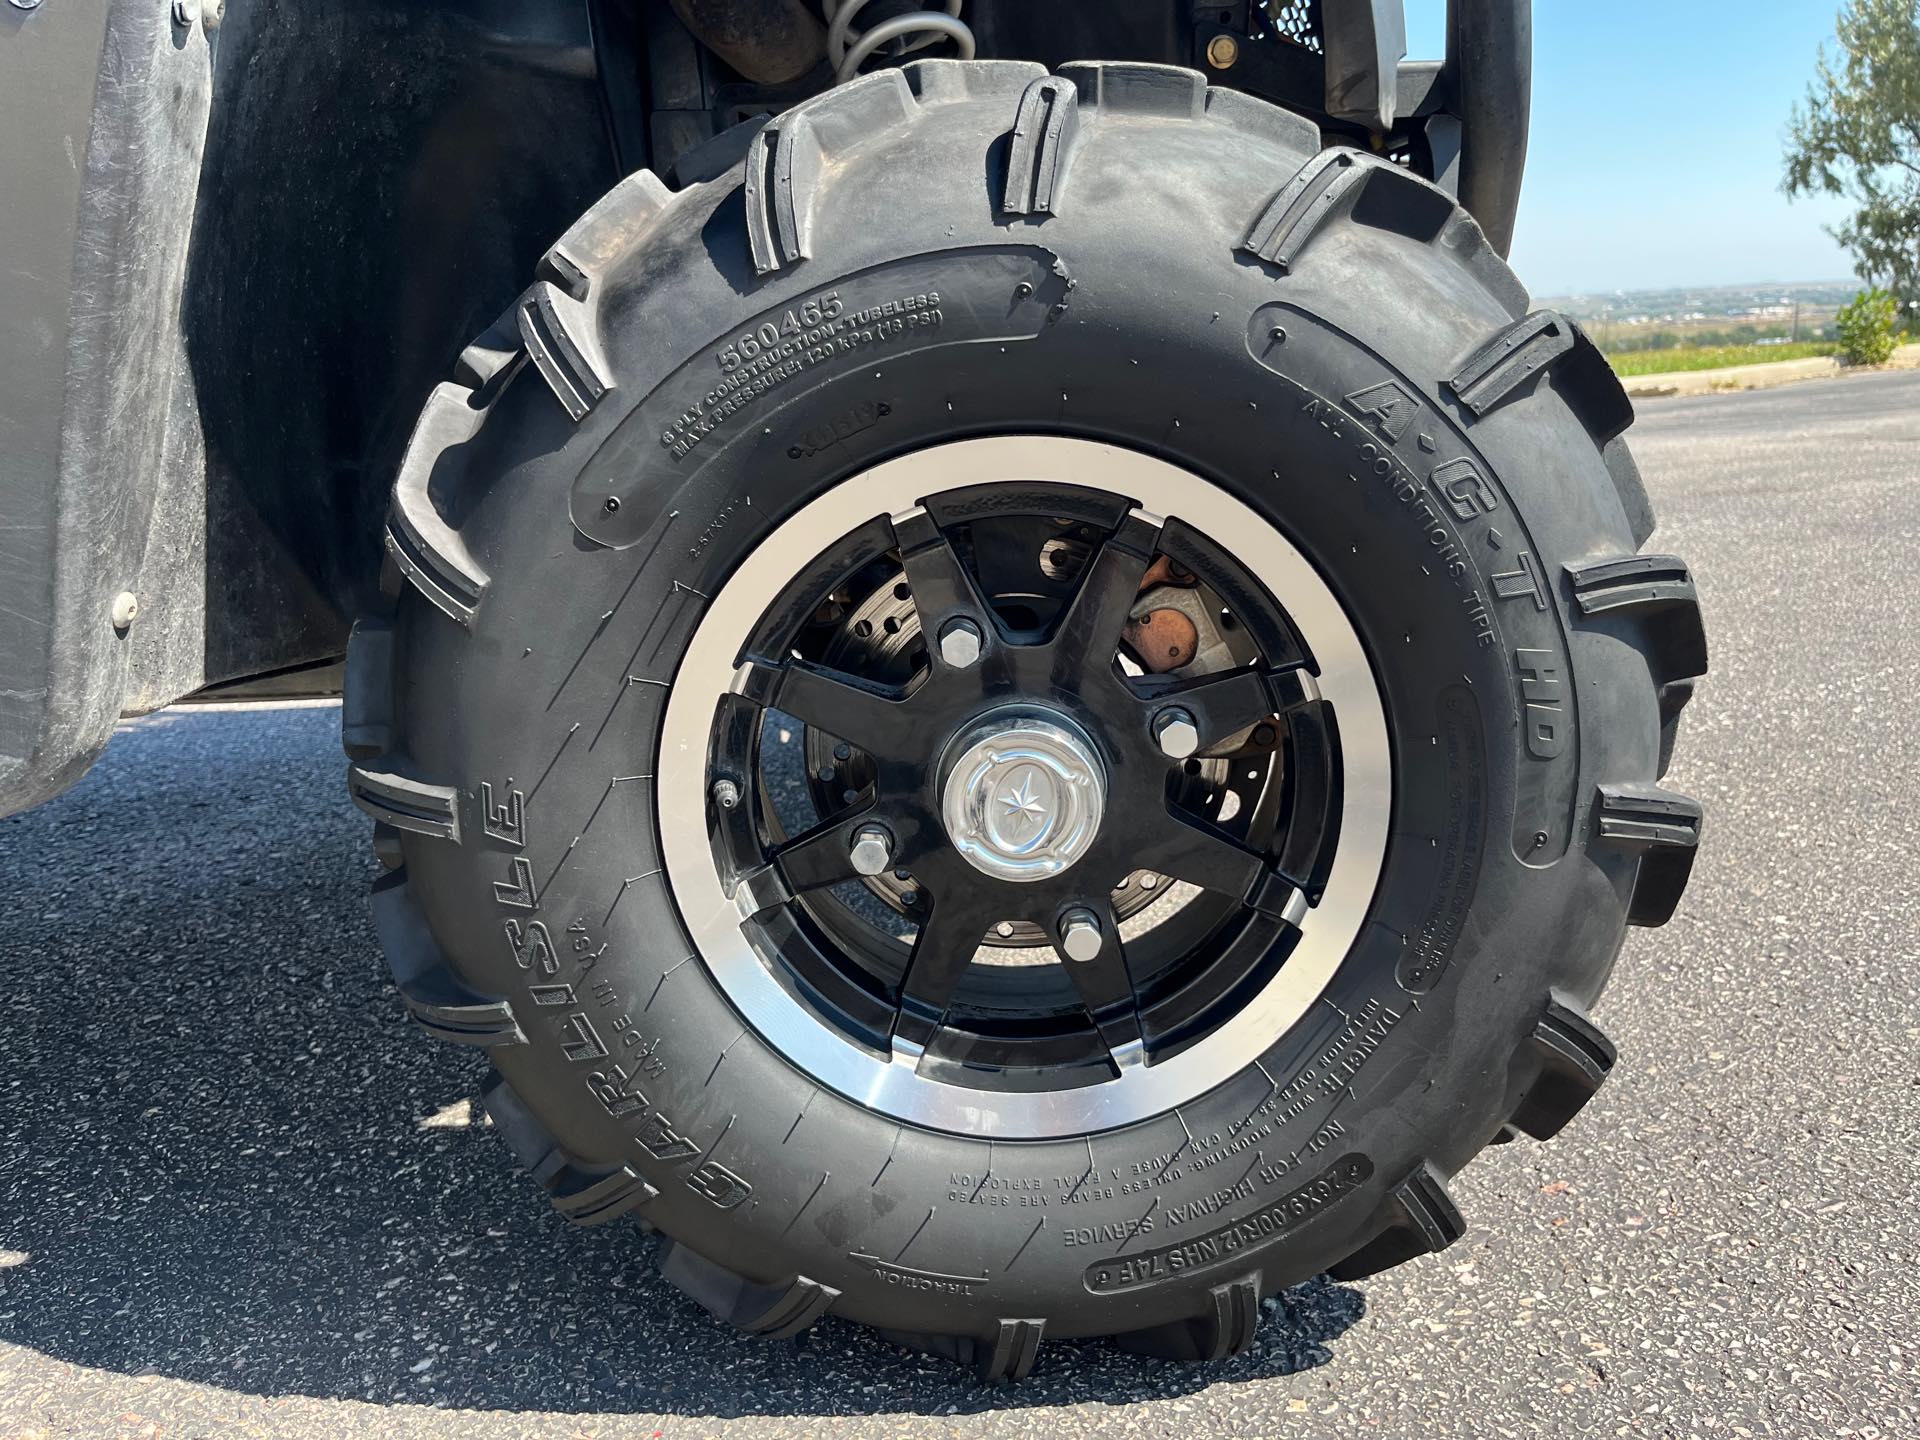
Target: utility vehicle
pixel 1002 675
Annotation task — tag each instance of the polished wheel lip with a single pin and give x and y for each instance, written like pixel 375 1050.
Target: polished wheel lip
pixel 1024 796
pixel 710 669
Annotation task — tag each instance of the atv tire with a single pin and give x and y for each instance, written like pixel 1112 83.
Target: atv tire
pixel 1122 261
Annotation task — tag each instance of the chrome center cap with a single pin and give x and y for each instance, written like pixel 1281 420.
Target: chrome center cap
pixel 1023 797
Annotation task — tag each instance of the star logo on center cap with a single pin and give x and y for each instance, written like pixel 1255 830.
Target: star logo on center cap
pixel 1024 803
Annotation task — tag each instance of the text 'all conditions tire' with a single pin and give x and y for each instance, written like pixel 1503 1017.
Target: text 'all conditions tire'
pixel 1035 718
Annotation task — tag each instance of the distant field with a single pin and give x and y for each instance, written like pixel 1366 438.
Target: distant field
pixel 1712 357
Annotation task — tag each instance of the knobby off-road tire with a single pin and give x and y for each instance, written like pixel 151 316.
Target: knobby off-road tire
pixel 1116 253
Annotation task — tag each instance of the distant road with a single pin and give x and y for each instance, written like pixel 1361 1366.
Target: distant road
pixel 239 1196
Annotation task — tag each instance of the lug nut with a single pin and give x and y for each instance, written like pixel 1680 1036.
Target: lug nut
pixel 1080 935
pixel 960 643
pixel 872 850
pixel 1178 734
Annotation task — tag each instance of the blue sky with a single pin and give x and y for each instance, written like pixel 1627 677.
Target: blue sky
pixel 1656 144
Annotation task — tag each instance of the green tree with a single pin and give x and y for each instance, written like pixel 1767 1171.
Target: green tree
pixel 1866 328
pixel 1858 136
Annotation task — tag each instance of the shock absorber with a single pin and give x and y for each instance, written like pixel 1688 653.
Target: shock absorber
pixel 848 49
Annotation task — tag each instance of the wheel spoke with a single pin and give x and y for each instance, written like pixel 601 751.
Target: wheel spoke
pixel 942 588
pixel 823 855
pixel 844 706
pixel 942 951
pixel 1089 631
pixel 1223 705
pixel 1106 989
pixel 1192 850
pixel 1202 854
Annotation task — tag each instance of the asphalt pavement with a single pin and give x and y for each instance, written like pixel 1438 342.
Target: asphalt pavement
pixel 239 1195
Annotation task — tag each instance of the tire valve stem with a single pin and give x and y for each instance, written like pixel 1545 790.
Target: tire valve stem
pixel 726 794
